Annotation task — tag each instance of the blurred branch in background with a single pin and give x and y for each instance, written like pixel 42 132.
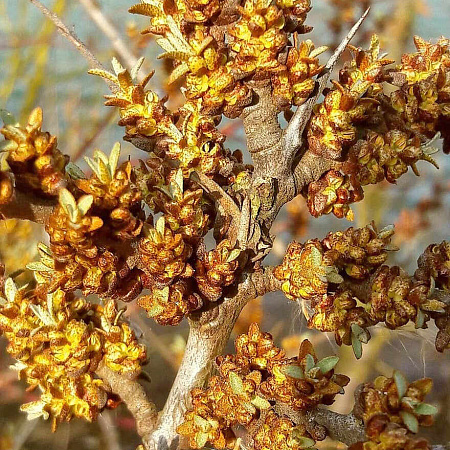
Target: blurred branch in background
pixel 70 35
pixel 106 26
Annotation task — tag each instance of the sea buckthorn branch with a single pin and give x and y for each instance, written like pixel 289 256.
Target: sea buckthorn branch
pixel 274 401
pixel 59 341
pixel 346 288
pixel 273 149
pixel 240 62
pixel 27 207
pixel 209 332
pixel 298 122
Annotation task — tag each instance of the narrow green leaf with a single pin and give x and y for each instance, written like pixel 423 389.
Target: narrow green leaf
pixel 420 319
pixel 361 333
pixel 201 439
pixel 293 371
pixel 118 68
pixel 233 255
pixel 425 409
pixel 67 201
pixel 316 256
pixel 160 225
pixel 99 155
pixel 93 165
pixel 402 384
pixel 84 204
pixel 333 276
pixel 305 442
pixel 260 403
pixel 328 363
pixel 114 159
pixel 75 172
pixel 410 420
pixel 201 422
pixel 135 70
pixel 38 266
pixel 310 363
pixel 357 346
pixel 103 172
pixel 10 290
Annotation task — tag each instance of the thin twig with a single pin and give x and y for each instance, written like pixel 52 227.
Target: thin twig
pixel 94 63
pixel 294 131
pixel 110 32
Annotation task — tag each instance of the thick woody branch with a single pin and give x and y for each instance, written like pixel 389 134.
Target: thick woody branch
pixel 263 132
pixel 274 151
pixel 321 423
pixel 134 396
pixel 27 207
pixel 294 131
pixel 345 428
pixel 209 333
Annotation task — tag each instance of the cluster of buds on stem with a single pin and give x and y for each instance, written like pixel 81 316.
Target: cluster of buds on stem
pixel 392 410
pixel 394 131
pixel 221 49
pixel 58 341
pixel 32 156
pixel 187 136
pixel 76 258
pixel 252 386
pixel 346 287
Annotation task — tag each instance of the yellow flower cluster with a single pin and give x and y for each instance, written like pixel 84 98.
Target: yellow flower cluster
pixel 141 111
pixel 309 268
pixel 33 156
pixel 220 50
pixel 112 190
pixel 306 271
pixel 294 83
pixel 333 124
pixel 401 124
pixel 187 136
pixel 423 101
pixel 251 385
pixel 317 271
pixel 181 282
pixel 58 342
pixel 75 258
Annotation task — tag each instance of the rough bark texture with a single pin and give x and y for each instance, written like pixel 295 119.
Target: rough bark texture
pixel 208 335
pixel 134 396
pixel 27 207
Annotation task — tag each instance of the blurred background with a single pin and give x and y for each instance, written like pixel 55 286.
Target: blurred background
pixel 38 67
